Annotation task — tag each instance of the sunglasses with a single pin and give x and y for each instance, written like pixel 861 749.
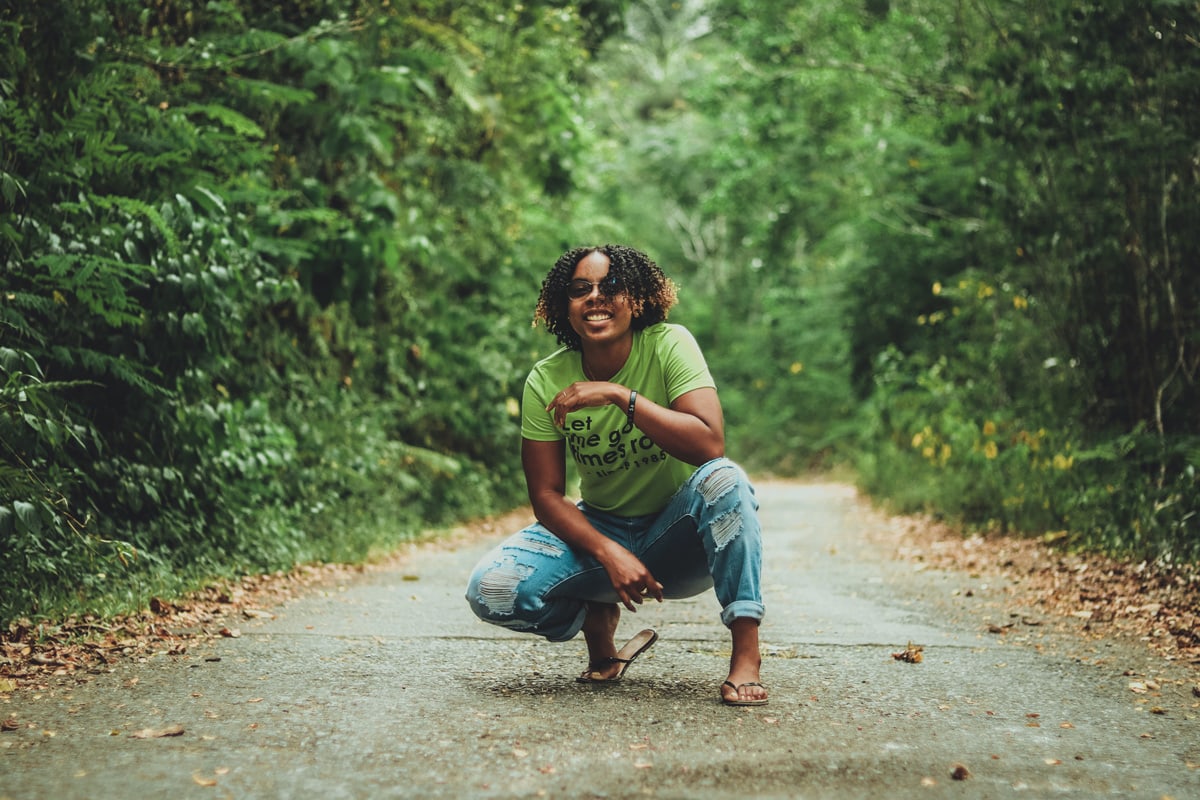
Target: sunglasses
pixel 609 285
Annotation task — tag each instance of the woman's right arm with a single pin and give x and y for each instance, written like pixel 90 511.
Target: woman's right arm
pixel 546 476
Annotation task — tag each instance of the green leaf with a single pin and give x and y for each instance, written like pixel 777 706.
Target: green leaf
pixel 28 520
pixel 238 123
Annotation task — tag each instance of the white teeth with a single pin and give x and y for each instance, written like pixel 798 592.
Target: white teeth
pixel 597 317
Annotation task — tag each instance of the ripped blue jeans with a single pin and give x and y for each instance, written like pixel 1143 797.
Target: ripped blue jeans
pixel 707 536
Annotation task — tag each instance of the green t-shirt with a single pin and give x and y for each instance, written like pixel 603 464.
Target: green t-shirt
pixel 621 471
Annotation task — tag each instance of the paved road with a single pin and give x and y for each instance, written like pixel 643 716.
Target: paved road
pixel 388 687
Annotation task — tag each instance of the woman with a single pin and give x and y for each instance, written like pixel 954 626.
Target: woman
pixel 663 513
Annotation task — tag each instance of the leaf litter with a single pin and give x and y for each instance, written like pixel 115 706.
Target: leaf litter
pixel 1155 605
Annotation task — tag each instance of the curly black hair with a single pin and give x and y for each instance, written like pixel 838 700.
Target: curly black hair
pixel 651 293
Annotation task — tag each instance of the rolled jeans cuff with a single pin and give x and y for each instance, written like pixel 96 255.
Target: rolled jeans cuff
pixel 740 609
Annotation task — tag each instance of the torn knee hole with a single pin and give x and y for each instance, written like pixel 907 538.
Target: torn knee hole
pixel 726 528
pixel 718 483
pixel 498 586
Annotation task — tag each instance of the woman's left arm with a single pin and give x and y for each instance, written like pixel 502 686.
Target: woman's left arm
pixel 692 429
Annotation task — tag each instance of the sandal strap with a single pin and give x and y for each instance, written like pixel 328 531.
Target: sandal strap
pixel 740 685
pixel 607 661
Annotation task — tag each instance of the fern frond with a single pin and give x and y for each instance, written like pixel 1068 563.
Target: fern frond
pixel 101 365
pixel 134 207
pixel 276 94
pixel 238 123
pixel 11 306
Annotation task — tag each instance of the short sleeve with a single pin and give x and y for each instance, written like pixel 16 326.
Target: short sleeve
pixel 536 422
pixel 684 367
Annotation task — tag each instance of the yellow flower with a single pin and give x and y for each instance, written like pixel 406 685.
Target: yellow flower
pixel 945 454
pixel 1020 302
pixel 989 428
pixel 796 368
pixel 937 287
pixel 917 439
pixel 928 452
pixel 512 406
pixel 1063 462
pixel 990 450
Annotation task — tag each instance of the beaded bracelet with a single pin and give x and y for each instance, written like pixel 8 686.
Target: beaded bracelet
pixel 632 400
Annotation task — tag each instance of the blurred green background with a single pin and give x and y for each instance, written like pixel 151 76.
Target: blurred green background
pixel 267 269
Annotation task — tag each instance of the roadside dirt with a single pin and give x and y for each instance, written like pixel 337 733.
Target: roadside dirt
pixel 1105 597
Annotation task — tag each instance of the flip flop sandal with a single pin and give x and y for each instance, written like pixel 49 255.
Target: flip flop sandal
pixel 625 656
pixel 737 691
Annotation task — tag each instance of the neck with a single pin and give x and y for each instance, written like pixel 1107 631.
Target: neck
pixel 601 363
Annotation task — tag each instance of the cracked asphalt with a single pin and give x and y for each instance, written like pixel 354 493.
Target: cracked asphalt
pixel 385 686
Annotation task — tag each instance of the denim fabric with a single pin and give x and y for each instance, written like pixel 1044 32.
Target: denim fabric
pixel 708 536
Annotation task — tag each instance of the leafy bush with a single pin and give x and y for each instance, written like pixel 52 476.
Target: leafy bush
pixel 257 283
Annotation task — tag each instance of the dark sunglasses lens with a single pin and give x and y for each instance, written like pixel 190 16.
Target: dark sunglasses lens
pixel 610 286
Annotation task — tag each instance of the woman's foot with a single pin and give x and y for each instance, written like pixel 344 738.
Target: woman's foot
pixel 742 687
pixel 603 671
pixel 599 630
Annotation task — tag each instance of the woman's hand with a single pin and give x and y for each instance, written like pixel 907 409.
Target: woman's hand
pixel 631 580
pixel 583 394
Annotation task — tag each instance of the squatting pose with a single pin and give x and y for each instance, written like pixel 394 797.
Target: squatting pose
pixel 663 514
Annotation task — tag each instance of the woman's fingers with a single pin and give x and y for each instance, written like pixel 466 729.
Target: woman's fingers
pixel 574 397
pixel 647 589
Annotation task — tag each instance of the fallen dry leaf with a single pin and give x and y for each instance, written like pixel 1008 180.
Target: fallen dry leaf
pixel 9 724
pixel 157 733
pixel 912 654
pixel 959 772
pixel 202 781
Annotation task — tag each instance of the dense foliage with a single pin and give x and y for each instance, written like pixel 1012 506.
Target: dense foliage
pixel 266 278
pixel 954 244
pixel 267 270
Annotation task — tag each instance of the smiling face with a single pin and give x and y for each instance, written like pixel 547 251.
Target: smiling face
pixel 596 317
